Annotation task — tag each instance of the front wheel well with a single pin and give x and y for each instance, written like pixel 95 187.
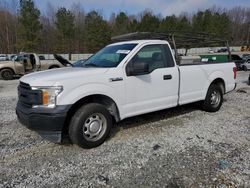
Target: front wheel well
pixel 220 82
pixel 106 101
pixel 8 69
pixel 9 75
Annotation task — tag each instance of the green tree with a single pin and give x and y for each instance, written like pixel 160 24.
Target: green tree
pixel 215 23
pixel 121 25
pixel 65 30
pixel 183 24
pixel 222 24
pixel 79 21
pixel 29 26
pixel 97 31
pixel 169 23
pixel 197 22
pixel 173 23
pixel 133 25
pixel 149 22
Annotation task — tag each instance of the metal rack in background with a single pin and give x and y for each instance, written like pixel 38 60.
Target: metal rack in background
pixel 177 39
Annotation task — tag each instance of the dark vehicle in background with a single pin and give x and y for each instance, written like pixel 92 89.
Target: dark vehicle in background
pixel 12 57
pixel 41 57
pixel 222 50
pixel 238 61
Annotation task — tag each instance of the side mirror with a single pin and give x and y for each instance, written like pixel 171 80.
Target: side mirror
pixel 137 68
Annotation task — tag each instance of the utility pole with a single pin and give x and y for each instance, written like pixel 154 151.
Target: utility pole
pixel 248 34
pixel 7 32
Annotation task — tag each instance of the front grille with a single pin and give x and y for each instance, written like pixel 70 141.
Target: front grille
pixel 24 85
pixel 27 96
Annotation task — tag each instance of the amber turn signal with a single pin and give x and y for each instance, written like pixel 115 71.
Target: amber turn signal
pixel 45 97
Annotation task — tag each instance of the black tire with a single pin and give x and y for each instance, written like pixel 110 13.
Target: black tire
pixel 84 117
pixel 212 104
pixel 7 74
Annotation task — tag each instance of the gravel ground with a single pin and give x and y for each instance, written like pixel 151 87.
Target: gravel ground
pixel 178 147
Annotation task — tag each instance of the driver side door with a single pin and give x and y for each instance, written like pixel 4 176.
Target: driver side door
pixel 19 66
pixel 158 88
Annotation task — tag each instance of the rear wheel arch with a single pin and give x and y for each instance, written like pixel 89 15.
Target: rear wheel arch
pixel 221 83
pixel 8 68
pixel 104 100
pixel 217 86
pixel 214 98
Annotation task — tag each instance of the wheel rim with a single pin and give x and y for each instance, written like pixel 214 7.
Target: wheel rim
pixel 215 98
pixel 6 74
pixel 94 127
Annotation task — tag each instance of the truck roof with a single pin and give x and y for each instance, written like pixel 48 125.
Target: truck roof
pixel 140 42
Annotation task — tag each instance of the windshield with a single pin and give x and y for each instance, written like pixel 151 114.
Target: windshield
pixel 79 63
pixel 109 56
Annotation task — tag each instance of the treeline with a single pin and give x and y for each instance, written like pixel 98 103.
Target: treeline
pixel 24 28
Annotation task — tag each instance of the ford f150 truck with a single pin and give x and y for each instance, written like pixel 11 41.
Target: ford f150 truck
pixel 122 80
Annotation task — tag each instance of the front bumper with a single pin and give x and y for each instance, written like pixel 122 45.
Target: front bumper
pixel 47 122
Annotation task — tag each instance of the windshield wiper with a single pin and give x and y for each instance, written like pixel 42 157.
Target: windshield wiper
pixel 90 65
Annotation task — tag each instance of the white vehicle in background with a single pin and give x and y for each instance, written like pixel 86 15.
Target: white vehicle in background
pixel 3 57
pixel 122 80
pixel 25 63
pixel 246 66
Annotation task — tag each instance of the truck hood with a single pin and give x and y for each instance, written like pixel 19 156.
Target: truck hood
pixel 54 76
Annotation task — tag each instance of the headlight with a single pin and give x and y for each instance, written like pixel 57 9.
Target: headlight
pixel 49 95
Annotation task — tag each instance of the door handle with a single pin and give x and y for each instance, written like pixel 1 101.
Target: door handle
pixel 167 77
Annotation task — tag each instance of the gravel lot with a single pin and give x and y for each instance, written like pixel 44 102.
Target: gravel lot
pixel 178 147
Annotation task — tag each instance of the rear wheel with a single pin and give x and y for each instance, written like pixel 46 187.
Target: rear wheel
pixel 7 74
pixel 90 126
pixel 214 99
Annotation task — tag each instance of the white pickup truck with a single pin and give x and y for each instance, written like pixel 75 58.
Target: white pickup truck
pixel 122 80
pixel 25 63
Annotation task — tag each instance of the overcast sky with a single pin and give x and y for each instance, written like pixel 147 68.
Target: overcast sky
pixel 163 7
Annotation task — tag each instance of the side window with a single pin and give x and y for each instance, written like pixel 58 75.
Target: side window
pixel 156 56
pixel 168 56
pixel 152 55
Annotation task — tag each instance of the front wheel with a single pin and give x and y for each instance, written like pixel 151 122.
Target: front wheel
pixel 214 99
pixel 90 126
pixel 7 74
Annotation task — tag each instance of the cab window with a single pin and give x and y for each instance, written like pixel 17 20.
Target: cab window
pixel 156 56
